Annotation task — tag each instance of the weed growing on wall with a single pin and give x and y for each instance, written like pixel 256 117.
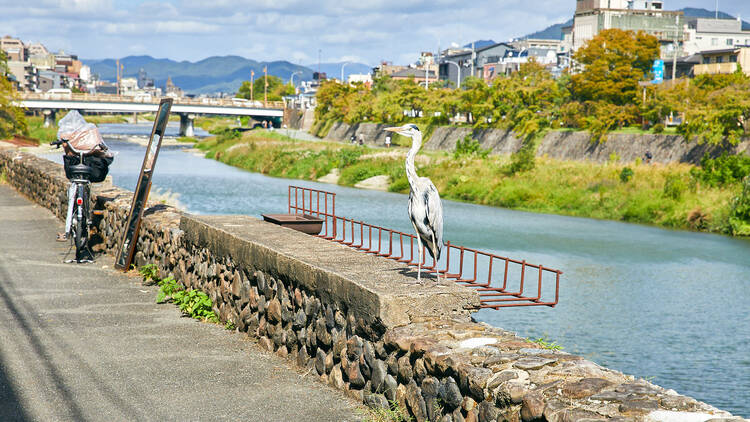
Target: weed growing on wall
pixel 393 414
pixel 545 343
pixel 167 288
pixel 193 303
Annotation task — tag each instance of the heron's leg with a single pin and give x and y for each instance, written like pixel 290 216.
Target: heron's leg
pixel 437 268
pixel 419 248
pixel 419 264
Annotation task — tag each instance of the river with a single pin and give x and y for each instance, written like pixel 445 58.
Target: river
pixel 672 307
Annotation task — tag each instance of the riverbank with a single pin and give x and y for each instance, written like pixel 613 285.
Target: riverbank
pixel 671 195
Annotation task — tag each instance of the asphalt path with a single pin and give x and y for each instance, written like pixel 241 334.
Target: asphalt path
pixel 88 343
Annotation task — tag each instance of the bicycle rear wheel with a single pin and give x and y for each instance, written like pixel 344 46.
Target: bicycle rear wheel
pixel 80 237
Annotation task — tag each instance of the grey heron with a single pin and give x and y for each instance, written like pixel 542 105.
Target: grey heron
pixel 425 207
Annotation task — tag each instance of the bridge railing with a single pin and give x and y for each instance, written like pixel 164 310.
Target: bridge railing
pixel 150 99
pixel 501 282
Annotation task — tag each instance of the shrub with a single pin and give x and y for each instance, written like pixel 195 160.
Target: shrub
pixel 674 187
pixel 723 170
pixel 522 160
pixel 658 128
pixel 739 217
pixel 469 147
pixel 626 174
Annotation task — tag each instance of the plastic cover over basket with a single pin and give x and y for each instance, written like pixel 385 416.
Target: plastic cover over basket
pixel 82 137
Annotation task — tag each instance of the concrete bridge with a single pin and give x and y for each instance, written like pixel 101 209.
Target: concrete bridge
pixel 186 108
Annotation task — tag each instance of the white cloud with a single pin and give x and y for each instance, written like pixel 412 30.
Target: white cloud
pixel 168 27
pixel 369 30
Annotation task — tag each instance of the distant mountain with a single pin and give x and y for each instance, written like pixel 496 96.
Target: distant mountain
pixel 481 44
pixel 213 74
pixel 333 70
pixel 554 32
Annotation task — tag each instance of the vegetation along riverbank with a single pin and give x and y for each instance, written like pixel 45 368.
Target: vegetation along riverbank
pixel 711 197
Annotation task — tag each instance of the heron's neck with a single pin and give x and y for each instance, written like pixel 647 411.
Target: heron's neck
pixel 411 170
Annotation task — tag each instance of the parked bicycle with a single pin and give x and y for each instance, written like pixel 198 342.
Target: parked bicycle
pixel 78 222
pixel 81 170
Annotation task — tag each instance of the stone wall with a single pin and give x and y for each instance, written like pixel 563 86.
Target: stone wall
pixel 359 322
pixel 562 145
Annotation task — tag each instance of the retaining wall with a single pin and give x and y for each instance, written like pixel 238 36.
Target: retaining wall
pixel 359 322
pixel 562 145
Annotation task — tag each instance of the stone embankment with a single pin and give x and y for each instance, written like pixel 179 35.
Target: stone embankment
pixel 359 322
pixel 562 145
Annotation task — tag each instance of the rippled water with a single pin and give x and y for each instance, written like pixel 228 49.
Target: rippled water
pixel 668 306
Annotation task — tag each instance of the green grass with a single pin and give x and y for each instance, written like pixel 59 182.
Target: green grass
pixel 393 414
pixel 661 195
pixel 638 131
pixel 106 118
pixel 43 135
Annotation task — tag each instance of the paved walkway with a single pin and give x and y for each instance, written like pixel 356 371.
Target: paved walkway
pixel 84 342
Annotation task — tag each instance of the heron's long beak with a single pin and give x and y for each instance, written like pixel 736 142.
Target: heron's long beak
pixel 392 129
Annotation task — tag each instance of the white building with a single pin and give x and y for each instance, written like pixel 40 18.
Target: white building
pixel 85 74
pixel 364 78
pixel 714 34
pixel 594 16
pixel 128 86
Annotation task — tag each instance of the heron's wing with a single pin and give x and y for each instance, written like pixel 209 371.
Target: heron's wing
pixel 434 211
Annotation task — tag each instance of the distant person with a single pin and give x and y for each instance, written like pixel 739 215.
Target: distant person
pixel 353 139
pixel 361 139
pixel 387 141
pixel 648 157
pixel 264 124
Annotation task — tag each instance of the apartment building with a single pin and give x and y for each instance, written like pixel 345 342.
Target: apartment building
pixel 723 61
pixel 13 48
pixel 714 34
pixel 594 16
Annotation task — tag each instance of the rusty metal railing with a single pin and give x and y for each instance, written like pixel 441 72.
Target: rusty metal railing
pixel 501 282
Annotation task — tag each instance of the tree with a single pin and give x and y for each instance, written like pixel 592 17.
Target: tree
pixel 276 89
pixel 614 62
pixel 12 119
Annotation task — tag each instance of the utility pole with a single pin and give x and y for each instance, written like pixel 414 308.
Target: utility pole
pixel 117 73
pixel 265 86
pixel 674 55
pixel 342 72
pixel 252 84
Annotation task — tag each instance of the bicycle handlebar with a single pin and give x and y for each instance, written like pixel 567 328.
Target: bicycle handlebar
pixel 57 143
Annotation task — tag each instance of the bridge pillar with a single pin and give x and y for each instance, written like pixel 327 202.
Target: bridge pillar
pixel 49 118
pixel 186 124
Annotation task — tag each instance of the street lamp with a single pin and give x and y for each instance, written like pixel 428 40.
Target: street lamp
pixel 291 80
pixel 458 80
pixel 342 71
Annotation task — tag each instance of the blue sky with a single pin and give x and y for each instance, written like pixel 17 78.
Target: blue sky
pixel 366 31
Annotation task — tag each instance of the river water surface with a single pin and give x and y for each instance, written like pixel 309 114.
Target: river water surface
pixel 672 307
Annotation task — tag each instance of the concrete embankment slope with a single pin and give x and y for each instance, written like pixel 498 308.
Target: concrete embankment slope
pixel 359 323
pixel 562 145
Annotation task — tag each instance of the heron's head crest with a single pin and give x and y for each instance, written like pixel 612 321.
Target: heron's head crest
pixel 408 129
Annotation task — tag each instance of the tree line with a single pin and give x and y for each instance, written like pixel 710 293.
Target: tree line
pixel 602 94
